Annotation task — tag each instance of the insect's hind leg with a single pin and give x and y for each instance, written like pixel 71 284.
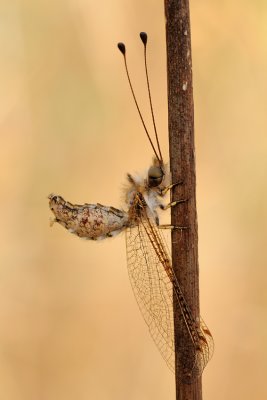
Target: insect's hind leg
pixel 172 204
pixel 169 226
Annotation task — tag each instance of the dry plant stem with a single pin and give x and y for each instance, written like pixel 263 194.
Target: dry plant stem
pixel 182 164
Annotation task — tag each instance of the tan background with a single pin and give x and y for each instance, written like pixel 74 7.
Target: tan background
pixel 69 325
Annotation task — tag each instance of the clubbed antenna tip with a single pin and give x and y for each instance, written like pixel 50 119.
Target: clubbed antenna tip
pixel 143 37
pixel 121 47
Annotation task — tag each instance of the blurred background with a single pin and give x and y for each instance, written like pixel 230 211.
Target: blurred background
pixel 69 325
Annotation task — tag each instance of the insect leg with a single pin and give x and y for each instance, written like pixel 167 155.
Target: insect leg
pixel 172 204
pixel 169 226
pixel 169 187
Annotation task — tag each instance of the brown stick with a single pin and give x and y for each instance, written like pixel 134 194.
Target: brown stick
pixel 182 165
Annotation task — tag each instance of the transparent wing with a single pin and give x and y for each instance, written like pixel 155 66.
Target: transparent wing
pixel 154 285
pixel 153 290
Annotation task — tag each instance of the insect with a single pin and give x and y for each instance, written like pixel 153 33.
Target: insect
pixel 151 274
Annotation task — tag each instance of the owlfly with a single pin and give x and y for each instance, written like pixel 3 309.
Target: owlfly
pixel 150 270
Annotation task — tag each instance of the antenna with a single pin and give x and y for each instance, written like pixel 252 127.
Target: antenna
pixel 143 37
pixel 122 48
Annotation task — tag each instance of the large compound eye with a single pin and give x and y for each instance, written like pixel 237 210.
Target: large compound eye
pixel 155 176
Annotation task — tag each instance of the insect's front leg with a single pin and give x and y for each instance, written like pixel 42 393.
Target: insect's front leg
pixel 171 204
pixel 164 191
pixel 169 187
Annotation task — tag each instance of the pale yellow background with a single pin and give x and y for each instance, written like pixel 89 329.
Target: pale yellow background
pixel 69 325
